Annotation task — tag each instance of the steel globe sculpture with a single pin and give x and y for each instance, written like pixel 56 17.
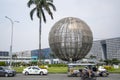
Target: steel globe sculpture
pixel 70 39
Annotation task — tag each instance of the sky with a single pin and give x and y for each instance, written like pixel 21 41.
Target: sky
pixel 102 16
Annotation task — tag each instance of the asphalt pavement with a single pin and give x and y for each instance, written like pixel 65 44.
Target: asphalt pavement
pixel 56 77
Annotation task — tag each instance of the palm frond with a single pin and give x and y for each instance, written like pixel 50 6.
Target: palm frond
pixel 37 1
pixel 30 2
pixel 49 1
pixel 38 13
pixel 40 4
pixel 31 13
pixel 47 8
pixel 43 15
pixel 51 5
pixel 50 13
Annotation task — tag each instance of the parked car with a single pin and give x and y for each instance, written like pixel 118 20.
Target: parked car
pixel 35 70
pixel 74 69
pixel 5 71
pixel 102 72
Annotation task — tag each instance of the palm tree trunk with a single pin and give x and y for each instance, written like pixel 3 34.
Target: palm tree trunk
pixel 40 54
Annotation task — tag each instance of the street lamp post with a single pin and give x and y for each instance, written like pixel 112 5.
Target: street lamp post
pixel 11 43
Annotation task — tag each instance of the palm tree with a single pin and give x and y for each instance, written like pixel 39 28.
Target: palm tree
pixel 40 7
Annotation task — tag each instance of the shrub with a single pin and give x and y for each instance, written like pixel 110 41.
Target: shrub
pixel 57 65
pixel 2 63
pixel 43 67
pixel 108 67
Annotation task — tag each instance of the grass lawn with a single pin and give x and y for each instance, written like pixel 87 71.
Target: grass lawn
pixel 18 69
pixel 57 69
pixel 50 69
pixel 114 70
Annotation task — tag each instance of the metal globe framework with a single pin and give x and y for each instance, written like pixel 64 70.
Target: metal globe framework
pixel 70 39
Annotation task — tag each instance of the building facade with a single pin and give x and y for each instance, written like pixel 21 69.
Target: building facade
pixel 23 56
pixel 101 49
pixel 4 53
pixel 4 56
pixel 106 49
pixel 113 48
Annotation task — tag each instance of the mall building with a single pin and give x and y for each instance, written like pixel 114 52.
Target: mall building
pixel 106 49
pixel 101 49
pixel 4 56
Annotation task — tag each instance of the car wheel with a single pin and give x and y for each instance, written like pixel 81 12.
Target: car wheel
pixel 41 73
pixel 104 74
pixel 78 74
pixel 26 73
pixel 6 74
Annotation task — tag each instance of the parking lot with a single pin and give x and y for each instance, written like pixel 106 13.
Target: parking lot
pixel 56 77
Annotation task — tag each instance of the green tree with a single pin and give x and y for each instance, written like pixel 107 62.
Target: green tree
pixel 92 57
pixel 115 61
pixel 52 55
pixel 14 57
pixel 41 6
pixel 108 61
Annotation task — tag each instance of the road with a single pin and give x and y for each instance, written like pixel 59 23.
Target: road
pixel 56 77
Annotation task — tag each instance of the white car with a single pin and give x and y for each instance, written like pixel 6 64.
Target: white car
pixel 102 72
pixel 35 70
pixel 101 68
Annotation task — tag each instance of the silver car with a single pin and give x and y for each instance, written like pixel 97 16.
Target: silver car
pixel 5 71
